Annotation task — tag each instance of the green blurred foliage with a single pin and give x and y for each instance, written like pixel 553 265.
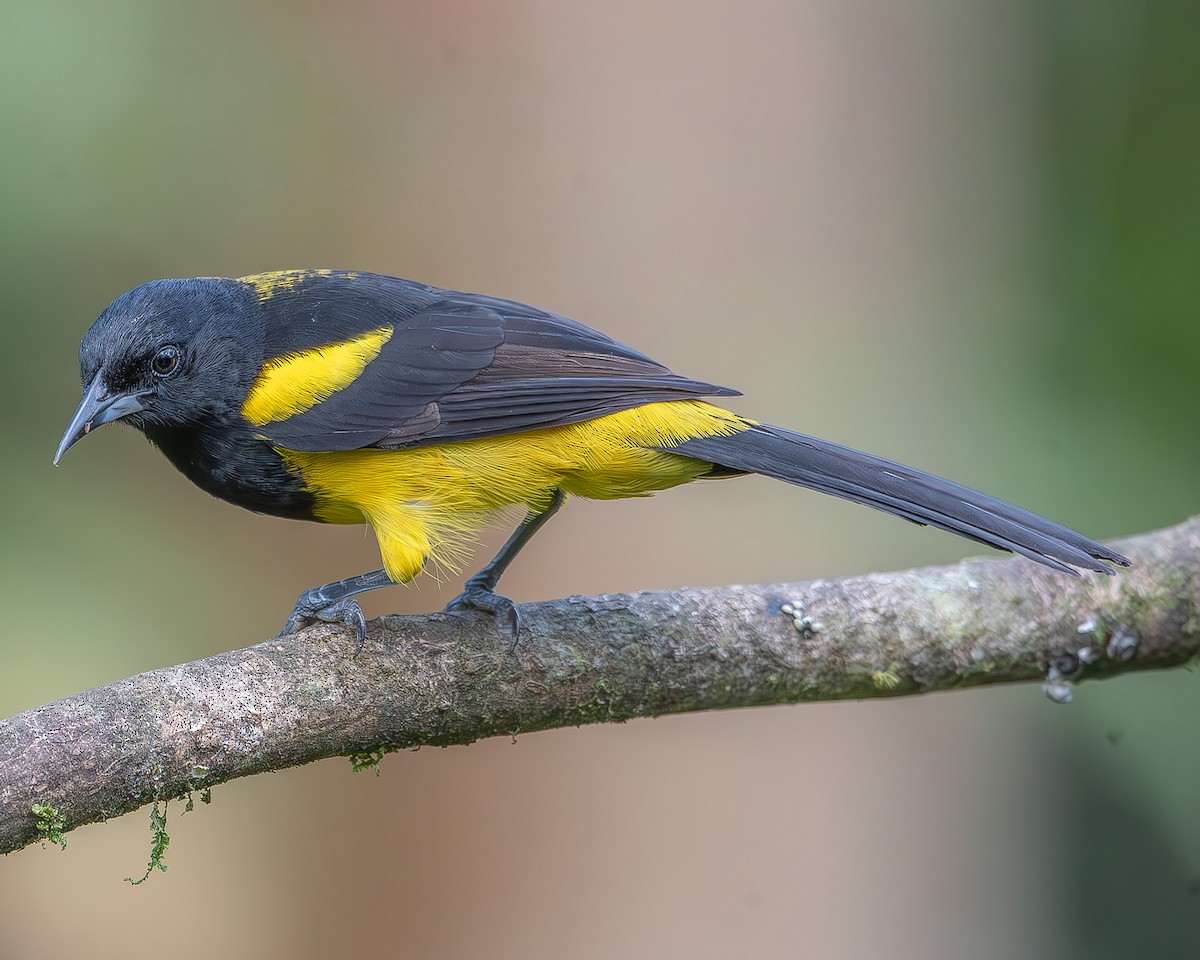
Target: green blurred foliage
pixel 1121 239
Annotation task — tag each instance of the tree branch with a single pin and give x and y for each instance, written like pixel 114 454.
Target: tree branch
pixel 448 679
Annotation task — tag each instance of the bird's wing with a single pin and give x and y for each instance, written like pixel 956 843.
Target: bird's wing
pixel 411 365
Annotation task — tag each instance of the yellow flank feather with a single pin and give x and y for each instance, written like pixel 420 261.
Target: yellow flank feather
pixel 266 285
pixel 298 381
pixel 424 502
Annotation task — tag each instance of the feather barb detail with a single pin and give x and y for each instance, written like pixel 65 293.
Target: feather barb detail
pixel 299 381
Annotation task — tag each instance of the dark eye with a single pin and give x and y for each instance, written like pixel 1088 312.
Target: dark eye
pixel 165 361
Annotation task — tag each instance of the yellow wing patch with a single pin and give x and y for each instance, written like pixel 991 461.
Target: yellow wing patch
pixel 266 285
pixel 299 381
pixel 425 502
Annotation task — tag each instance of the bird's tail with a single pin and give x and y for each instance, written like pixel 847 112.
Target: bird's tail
pixel 902 491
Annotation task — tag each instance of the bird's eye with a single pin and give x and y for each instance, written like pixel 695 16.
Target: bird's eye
pixel 165 361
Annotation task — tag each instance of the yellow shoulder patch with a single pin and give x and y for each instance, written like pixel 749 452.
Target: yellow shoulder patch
pixel 298 381
pixel 266 285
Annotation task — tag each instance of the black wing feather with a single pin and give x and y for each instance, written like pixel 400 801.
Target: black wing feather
pixel 457 366
pixel 902 491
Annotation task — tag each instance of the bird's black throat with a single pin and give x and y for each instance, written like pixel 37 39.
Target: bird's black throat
pixel 235 465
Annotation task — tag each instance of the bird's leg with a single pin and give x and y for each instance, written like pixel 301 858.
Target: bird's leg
pixel 331 603
pixel 480 592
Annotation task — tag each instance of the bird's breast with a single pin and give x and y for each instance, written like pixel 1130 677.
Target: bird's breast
pixel 236 466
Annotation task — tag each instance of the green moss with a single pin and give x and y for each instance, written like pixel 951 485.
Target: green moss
pixel 51 825
pixel 190 804
pixel 887 679
pixel 158 845
pixel 199 772
pixel 367 760
pixel 596 710
pixel 1175 593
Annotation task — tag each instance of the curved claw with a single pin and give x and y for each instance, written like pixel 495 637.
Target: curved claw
pixel 312 607
pixel 476 597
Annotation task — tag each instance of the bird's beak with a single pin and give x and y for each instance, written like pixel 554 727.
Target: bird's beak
pixel 97 406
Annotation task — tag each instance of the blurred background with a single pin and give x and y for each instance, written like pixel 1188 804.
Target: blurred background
pixel 965 236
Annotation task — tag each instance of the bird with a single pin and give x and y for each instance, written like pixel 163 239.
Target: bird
pixel 351 397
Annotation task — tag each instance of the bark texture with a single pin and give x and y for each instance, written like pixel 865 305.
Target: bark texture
pixel 451 679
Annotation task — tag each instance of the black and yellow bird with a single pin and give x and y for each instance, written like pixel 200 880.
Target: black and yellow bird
pixel 357 398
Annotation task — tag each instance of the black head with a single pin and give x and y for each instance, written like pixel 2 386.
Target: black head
pixel 170 353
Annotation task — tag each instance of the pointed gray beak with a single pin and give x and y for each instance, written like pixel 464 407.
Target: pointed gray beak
pixel 98 406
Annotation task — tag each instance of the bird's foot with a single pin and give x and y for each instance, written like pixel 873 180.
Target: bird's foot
pixel 478 596
pixel 314 607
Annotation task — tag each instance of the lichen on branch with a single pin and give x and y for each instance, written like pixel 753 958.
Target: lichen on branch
pixel 452 678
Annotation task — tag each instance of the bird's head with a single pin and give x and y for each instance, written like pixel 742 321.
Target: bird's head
pixel 170 353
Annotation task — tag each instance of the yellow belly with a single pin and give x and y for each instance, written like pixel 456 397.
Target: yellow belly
pixel 425 502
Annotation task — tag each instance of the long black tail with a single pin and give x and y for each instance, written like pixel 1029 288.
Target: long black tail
pixel 907 493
